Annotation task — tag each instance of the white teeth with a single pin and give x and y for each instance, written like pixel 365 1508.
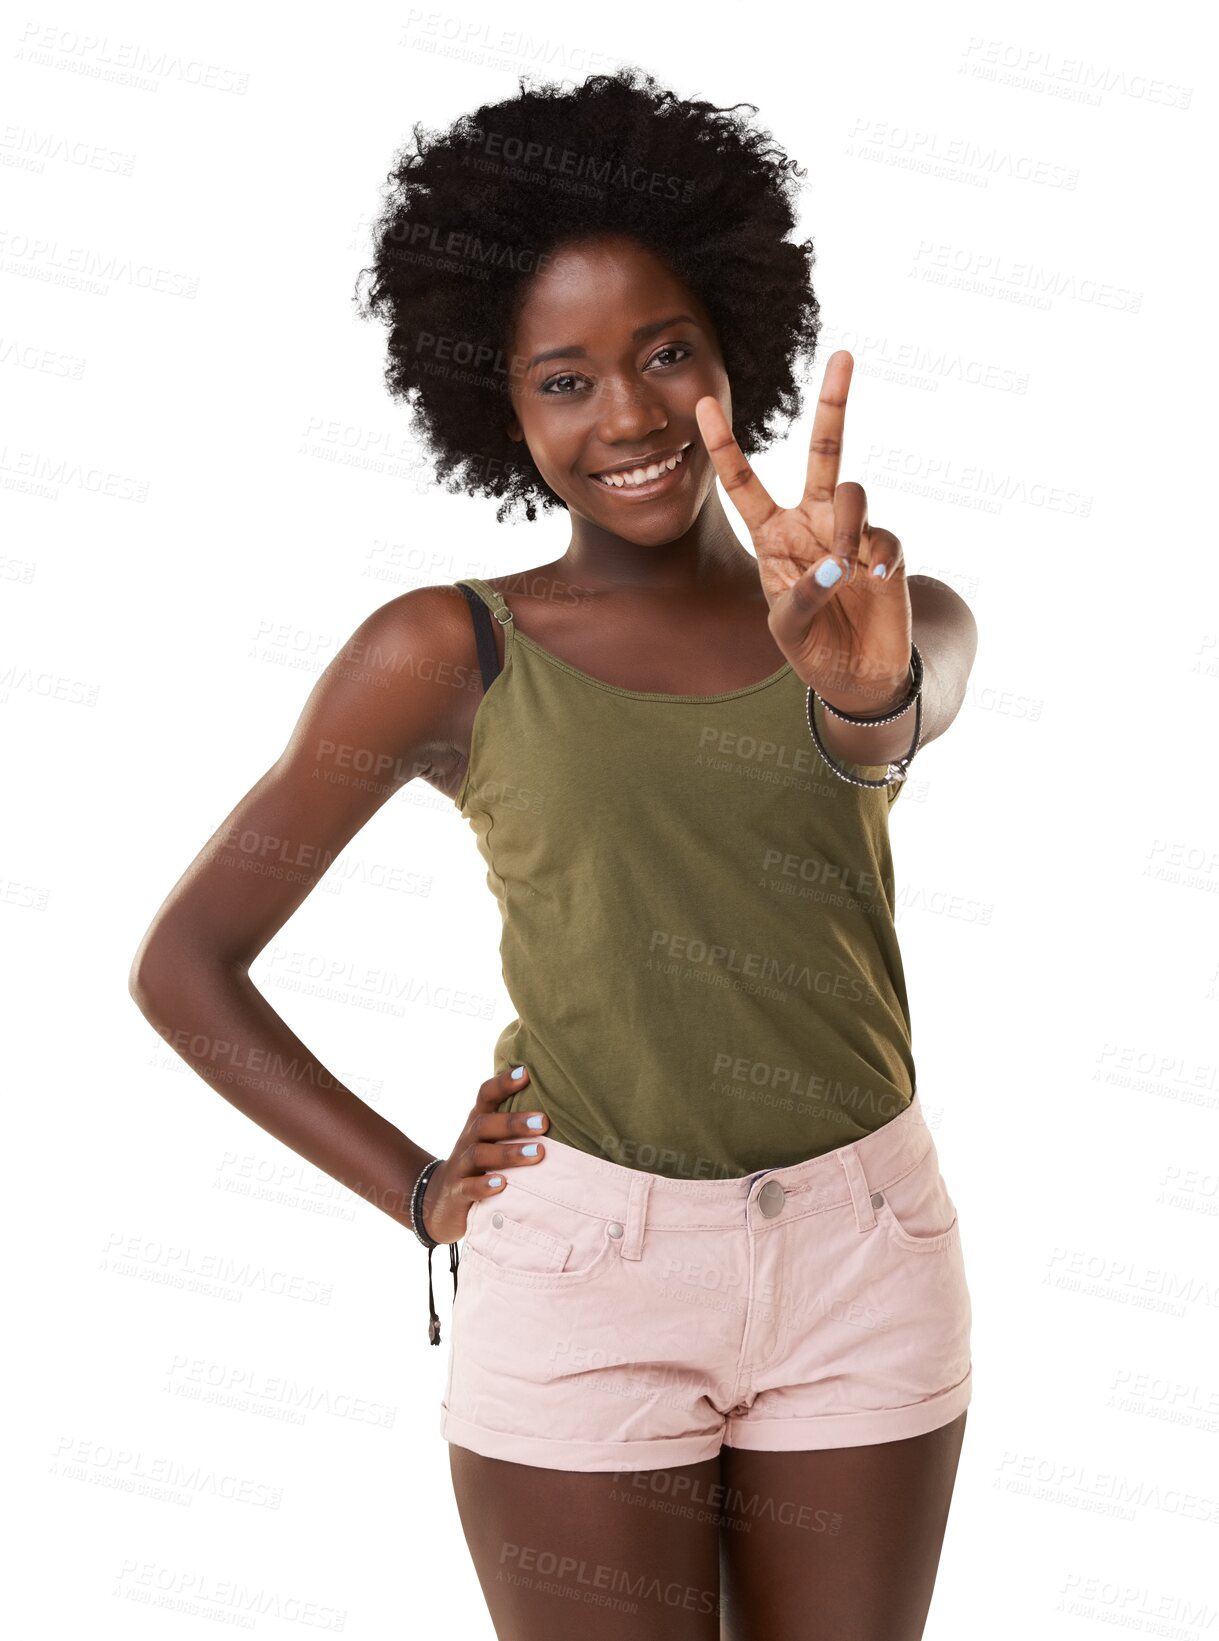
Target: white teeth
pixel 642 475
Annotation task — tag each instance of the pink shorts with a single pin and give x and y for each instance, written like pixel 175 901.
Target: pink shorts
pixel 611 1319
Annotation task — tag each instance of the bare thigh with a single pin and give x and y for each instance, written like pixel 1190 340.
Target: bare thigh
pixel 601 1555
pixel 838 1545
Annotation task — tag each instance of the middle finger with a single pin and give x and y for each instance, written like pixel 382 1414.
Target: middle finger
pixel 825 445
pixel 850 518
pixel 505 1136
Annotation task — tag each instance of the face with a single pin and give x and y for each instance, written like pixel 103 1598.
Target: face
pixel 628 350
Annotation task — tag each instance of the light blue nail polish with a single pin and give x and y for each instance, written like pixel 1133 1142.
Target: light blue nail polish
pixel 518 1071
pixel 496 1179
pixel 878 569
pixel 529 1150
pixel 827 572
pixel 533 1122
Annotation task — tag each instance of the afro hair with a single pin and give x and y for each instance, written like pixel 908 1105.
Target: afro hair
pixel 471 214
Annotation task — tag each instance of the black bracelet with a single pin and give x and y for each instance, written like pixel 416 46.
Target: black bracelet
pixel 896 771
pixel 916 683
pixel 416 1205
pixel 430 1243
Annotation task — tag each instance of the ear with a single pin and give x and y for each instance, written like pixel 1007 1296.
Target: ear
pixel 515 431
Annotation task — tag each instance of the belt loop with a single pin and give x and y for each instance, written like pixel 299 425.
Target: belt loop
pixel 861 1195
pixel 636 1215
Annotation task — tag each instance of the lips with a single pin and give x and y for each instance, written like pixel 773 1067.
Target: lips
pixel 612 477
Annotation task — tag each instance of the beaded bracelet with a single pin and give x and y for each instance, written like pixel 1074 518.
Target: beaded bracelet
pixel 914 696
pixel 430 1243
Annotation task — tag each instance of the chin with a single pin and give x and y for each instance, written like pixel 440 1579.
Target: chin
pixel 648 524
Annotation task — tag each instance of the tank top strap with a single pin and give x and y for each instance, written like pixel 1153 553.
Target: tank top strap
pixel 488 604
pixel 490 598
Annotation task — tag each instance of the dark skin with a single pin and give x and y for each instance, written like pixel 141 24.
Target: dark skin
pixel 677 605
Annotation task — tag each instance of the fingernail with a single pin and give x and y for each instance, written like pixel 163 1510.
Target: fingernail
pixel 533 1122
pixel 496 1179
pixel 827 572
pixel 878 569
pixel 517 1071
pixel 529 1150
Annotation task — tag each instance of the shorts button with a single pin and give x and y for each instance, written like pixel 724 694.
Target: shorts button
pixel 613 1228
pixel 497 1220
pixel 771 1198
pixel 877 1198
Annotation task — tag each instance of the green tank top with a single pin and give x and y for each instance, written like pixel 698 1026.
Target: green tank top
pixel 698 918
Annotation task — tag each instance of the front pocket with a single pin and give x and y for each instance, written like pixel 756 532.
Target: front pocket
pixel 917 1210
pixel 526 1239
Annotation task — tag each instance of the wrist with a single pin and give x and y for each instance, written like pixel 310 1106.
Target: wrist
pixel 418 1195
pixel 862 746
pixel 878 697
pixel 875 702
pixel 431 1190
pixel 871 738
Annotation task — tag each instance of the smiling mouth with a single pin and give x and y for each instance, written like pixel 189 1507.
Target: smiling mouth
pixel 646 473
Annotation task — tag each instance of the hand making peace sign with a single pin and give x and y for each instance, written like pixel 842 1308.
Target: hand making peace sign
pixel 851 639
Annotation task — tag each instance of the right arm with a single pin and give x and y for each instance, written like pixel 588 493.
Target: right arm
pixel 395 693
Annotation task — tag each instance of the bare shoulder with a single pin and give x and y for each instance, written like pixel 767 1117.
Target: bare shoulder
pixel 936 601
pixel 947 637
pixel 944 625
pixel 421 634
pixel 414 660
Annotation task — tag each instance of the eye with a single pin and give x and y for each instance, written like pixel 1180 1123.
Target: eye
pixel 674 347
pixel 549 387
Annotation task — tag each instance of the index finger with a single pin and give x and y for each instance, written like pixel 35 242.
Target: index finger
pixel 825 446
pixel 749 495
pixel 499 1087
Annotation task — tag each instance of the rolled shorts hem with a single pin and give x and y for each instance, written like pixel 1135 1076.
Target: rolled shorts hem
pixel 888 1424
pixel 753 1435
pixel 551 1455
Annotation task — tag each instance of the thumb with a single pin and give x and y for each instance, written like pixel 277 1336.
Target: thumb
pixel 794 613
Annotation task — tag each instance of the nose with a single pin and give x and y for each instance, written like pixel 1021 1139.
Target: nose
pixel 629 413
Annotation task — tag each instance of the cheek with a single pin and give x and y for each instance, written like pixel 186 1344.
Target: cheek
pixel 555 445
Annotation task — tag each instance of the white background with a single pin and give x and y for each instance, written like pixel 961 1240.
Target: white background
pixel 220 1382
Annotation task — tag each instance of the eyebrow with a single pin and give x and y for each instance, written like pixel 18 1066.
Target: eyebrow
pixel 641 334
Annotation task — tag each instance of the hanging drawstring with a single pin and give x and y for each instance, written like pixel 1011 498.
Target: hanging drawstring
pixel 433 1326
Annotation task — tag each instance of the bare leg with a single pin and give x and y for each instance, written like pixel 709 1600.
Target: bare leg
pixel 838 1545
pixel 599 1555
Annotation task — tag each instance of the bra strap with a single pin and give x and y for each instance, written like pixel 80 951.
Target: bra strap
pixel 488 660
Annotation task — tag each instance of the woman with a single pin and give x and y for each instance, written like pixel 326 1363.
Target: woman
pixel 710 1360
